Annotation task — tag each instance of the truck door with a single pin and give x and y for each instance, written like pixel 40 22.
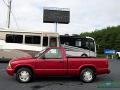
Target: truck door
pixel 53 63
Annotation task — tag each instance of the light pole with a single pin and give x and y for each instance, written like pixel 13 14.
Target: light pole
pixel 9 13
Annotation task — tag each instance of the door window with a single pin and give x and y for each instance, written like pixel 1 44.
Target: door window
pixel 53 54
pixel 53 41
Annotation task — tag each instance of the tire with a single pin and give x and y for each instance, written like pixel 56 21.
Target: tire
pixel 24 75
pixel 84 55
pixel 87 75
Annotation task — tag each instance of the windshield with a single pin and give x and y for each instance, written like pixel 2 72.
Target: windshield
pixel 40 53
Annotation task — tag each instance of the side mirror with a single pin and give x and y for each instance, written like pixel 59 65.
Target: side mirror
pixel 43 57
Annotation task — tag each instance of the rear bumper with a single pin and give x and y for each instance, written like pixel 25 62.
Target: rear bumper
pixel 103 71
pixel 109 71
pixel 10 71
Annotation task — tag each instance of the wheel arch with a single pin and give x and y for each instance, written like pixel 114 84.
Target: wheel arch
pixel 23 66
pixel 84 55
pixel 88 66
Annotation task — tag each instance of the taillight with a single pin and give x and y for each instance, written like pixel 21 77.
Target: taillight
pixel 107 63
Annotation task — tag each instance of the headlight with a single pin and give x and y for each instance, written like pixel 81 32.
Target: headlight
pixel 9 65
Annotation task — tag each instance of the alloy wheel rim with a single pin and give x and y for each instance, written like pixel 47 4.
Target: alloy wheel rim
pixel 88 76
pixel 24 76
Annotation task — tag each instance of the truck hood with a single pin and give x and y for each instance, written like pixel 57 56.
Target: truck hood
pixel 22 58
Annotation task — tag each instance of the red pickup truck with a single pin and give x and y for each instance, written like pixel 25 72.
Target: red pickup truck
pixel 53 61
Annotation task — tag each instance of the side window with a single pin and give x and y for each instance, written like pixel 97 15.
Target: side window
pixel 29 39
pixel 66 43
pixel 12 38
pixel 53 54
pixel 64 40
pixel 92 46
pixel 87 45
pixel 45 41
pixel 53 41
pixel 78 43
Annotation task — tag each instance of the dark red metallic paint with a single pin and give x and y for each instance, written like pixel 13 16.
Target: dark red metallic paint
pixel 67 66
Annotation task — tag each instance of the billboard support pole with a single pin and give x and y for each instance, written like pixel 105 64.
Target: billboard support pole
pixel 9 13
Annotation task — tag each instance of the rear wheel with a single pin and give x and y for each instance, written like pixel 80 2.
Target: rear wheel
pixel 24 75
pixel 84 55
pixel 87 75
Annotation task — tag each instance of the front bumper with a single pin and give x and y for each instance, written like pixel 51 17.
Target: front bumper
pixel 10 71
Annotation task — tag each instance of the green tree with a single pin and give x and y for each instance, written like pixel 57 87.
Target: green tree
pixel 106 38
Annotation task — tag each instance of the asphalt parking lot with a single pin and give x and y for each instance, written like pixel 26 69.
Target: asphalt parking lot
pixel 110 81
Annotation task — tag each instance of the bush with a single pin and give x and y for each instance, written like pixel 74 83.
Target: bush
pixel 3 59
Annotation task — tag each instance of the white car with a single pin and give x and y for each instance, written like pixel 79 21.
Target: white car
pixel 118 55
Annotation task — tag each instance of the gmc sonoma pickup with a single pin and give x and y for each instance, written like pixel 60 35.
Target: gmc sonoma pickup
pixel 54 62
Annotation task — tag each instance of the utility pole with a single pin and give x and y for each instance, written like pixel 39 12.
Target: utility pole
pixel 9 14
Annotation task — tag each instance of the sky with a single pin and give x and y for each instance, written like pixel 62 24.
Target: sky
pixel 85 15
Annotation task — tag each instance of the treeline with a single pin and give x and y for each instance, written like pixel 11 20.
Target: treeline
pixel 108 38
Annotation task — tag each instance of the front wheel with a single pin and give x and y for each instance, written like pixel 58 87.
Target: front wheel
pixel 24 75
pixel 87 75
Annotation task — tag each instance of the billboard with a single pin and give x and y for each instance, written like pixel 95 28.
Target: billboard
pixel 56 15
pixel 109 51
